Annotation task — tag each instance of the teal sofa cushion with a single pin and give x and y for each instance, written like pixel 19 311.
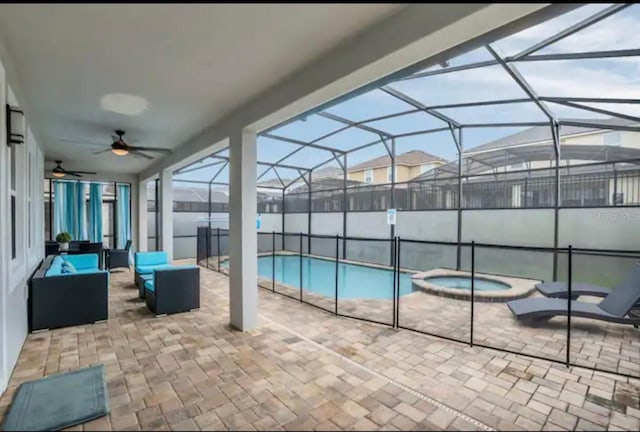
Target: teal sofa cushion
pixel 90 270
pixel 148 284
pixel 151 258
pixel 83 261
pixel 148 269
pixel 175 267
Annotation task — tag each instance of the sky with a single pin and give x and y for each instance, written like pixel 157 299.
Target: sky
pixel 612 77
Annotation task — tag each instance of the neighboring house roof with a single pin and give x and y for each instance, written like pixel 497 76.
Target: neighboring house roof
pixel 534 144
pixel 411 158
pixel 328 172
pixel 543 133
pixel 327 183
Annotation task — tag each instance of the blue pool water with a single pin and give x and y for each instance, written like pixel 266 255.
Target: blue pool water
pixel 319 276
pixel 465 283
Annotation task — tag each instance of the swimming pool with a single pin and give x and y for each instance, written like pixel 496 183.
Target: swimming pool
pixel 319 276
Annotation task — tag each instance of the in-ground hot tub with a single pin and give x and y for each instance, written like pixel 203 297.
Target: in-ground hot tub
pixel 457 285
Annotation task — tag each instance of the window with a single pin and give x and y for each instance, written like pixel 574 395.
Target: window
pixel 13 156
pixel 29 193
pixel 368 176
pixel 612 139
pixel 389 174
pixel 426 167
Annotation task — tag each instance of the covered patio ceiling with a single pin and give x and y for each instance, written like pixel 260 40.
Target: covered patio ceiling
pixel 559 77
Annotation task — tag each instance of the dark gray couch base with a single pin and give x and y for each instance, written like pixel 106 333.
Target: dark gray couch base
pixel 67 300
pixel 175 291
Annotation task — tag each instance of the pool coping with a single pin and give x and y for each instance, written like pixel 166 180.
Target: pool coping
pixel 520 288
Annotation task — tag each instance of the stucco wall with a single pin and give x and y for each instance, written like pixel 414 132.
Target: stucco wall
pixel 327 223
pixel 271 222
pixel 428 225
pixel 531 227
pixel 367 224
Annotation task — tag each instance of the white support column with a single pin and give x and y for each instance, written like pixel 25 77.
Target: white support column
pixel 166 212
pixel 142 217
pixel 243 281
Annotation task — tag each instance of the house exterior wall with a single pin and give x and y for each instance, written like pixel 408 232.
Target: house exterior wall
pixel 404 174
pixel 29 232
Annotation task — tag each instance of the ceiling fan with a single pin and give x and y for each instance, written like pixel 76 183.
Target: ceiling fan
pixel 121 148
pixel 59 172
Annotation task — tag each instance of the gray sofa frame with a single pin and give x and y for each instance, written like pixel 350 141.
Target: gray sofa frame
pixel 175 290
pixel 66 300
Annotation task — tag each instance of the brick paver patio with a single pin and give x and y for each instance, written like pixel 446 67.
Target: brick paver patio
pixel 306 369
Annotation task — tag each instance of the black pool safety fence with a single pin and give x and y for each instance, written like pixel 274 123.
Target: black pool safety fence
pixel 479 294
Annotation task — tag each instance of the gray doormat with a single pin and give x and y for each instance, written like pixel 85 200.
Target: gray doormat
pixel 59 401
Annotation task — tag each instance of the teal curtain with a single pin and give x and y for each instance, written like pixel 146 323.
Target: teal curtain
pixel 81 211
pixel 70 216
pixel 58 207
pixel 124 217
pixel 95 212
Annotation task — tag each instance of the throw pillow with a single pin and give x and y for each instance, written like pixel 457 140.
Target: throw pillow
pixel 68 268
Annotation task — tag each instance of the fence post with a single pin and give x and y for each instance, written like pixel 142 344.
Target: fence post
pixel 569 282
pixel 300 266
pixel 473 283
pixel 337 266
pixel 615 185
pixel 399 243
pixel 273 262
pixel 395 277
pixel 218 252
pixel 207 230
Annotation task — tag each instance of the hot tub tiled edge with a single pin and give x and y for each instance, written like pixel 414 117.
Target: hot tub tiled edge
pixel 520 288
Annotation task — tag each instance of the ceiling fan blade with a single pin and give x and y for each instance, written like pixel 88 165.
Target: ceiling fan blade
pixel 80 172
pixel 154 149
pixel 72 174
pixel 81 142
pixel 101 151
pixel 140 154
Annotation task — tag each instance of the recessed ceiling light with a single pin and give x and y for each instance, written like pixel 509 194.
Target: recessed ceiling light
pixel 124 104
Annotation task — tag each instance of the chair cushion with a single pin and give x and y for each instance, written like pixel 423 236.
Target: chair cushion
pixel 83 261
pixel 148 269
pixel 176 267
pixel 148 284
pixel 151 258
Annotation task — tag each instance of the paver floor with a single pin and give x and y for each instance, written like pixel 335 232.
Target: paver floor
pixel 302 368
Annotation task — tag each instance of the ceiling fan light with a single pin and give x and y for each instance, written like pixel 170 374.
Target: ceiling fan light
pixel 58 174
pixel 120 151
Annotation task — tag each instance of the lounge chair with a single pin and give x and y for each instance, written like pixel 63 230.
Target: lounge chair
pixel 561 290
pixel 614 308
